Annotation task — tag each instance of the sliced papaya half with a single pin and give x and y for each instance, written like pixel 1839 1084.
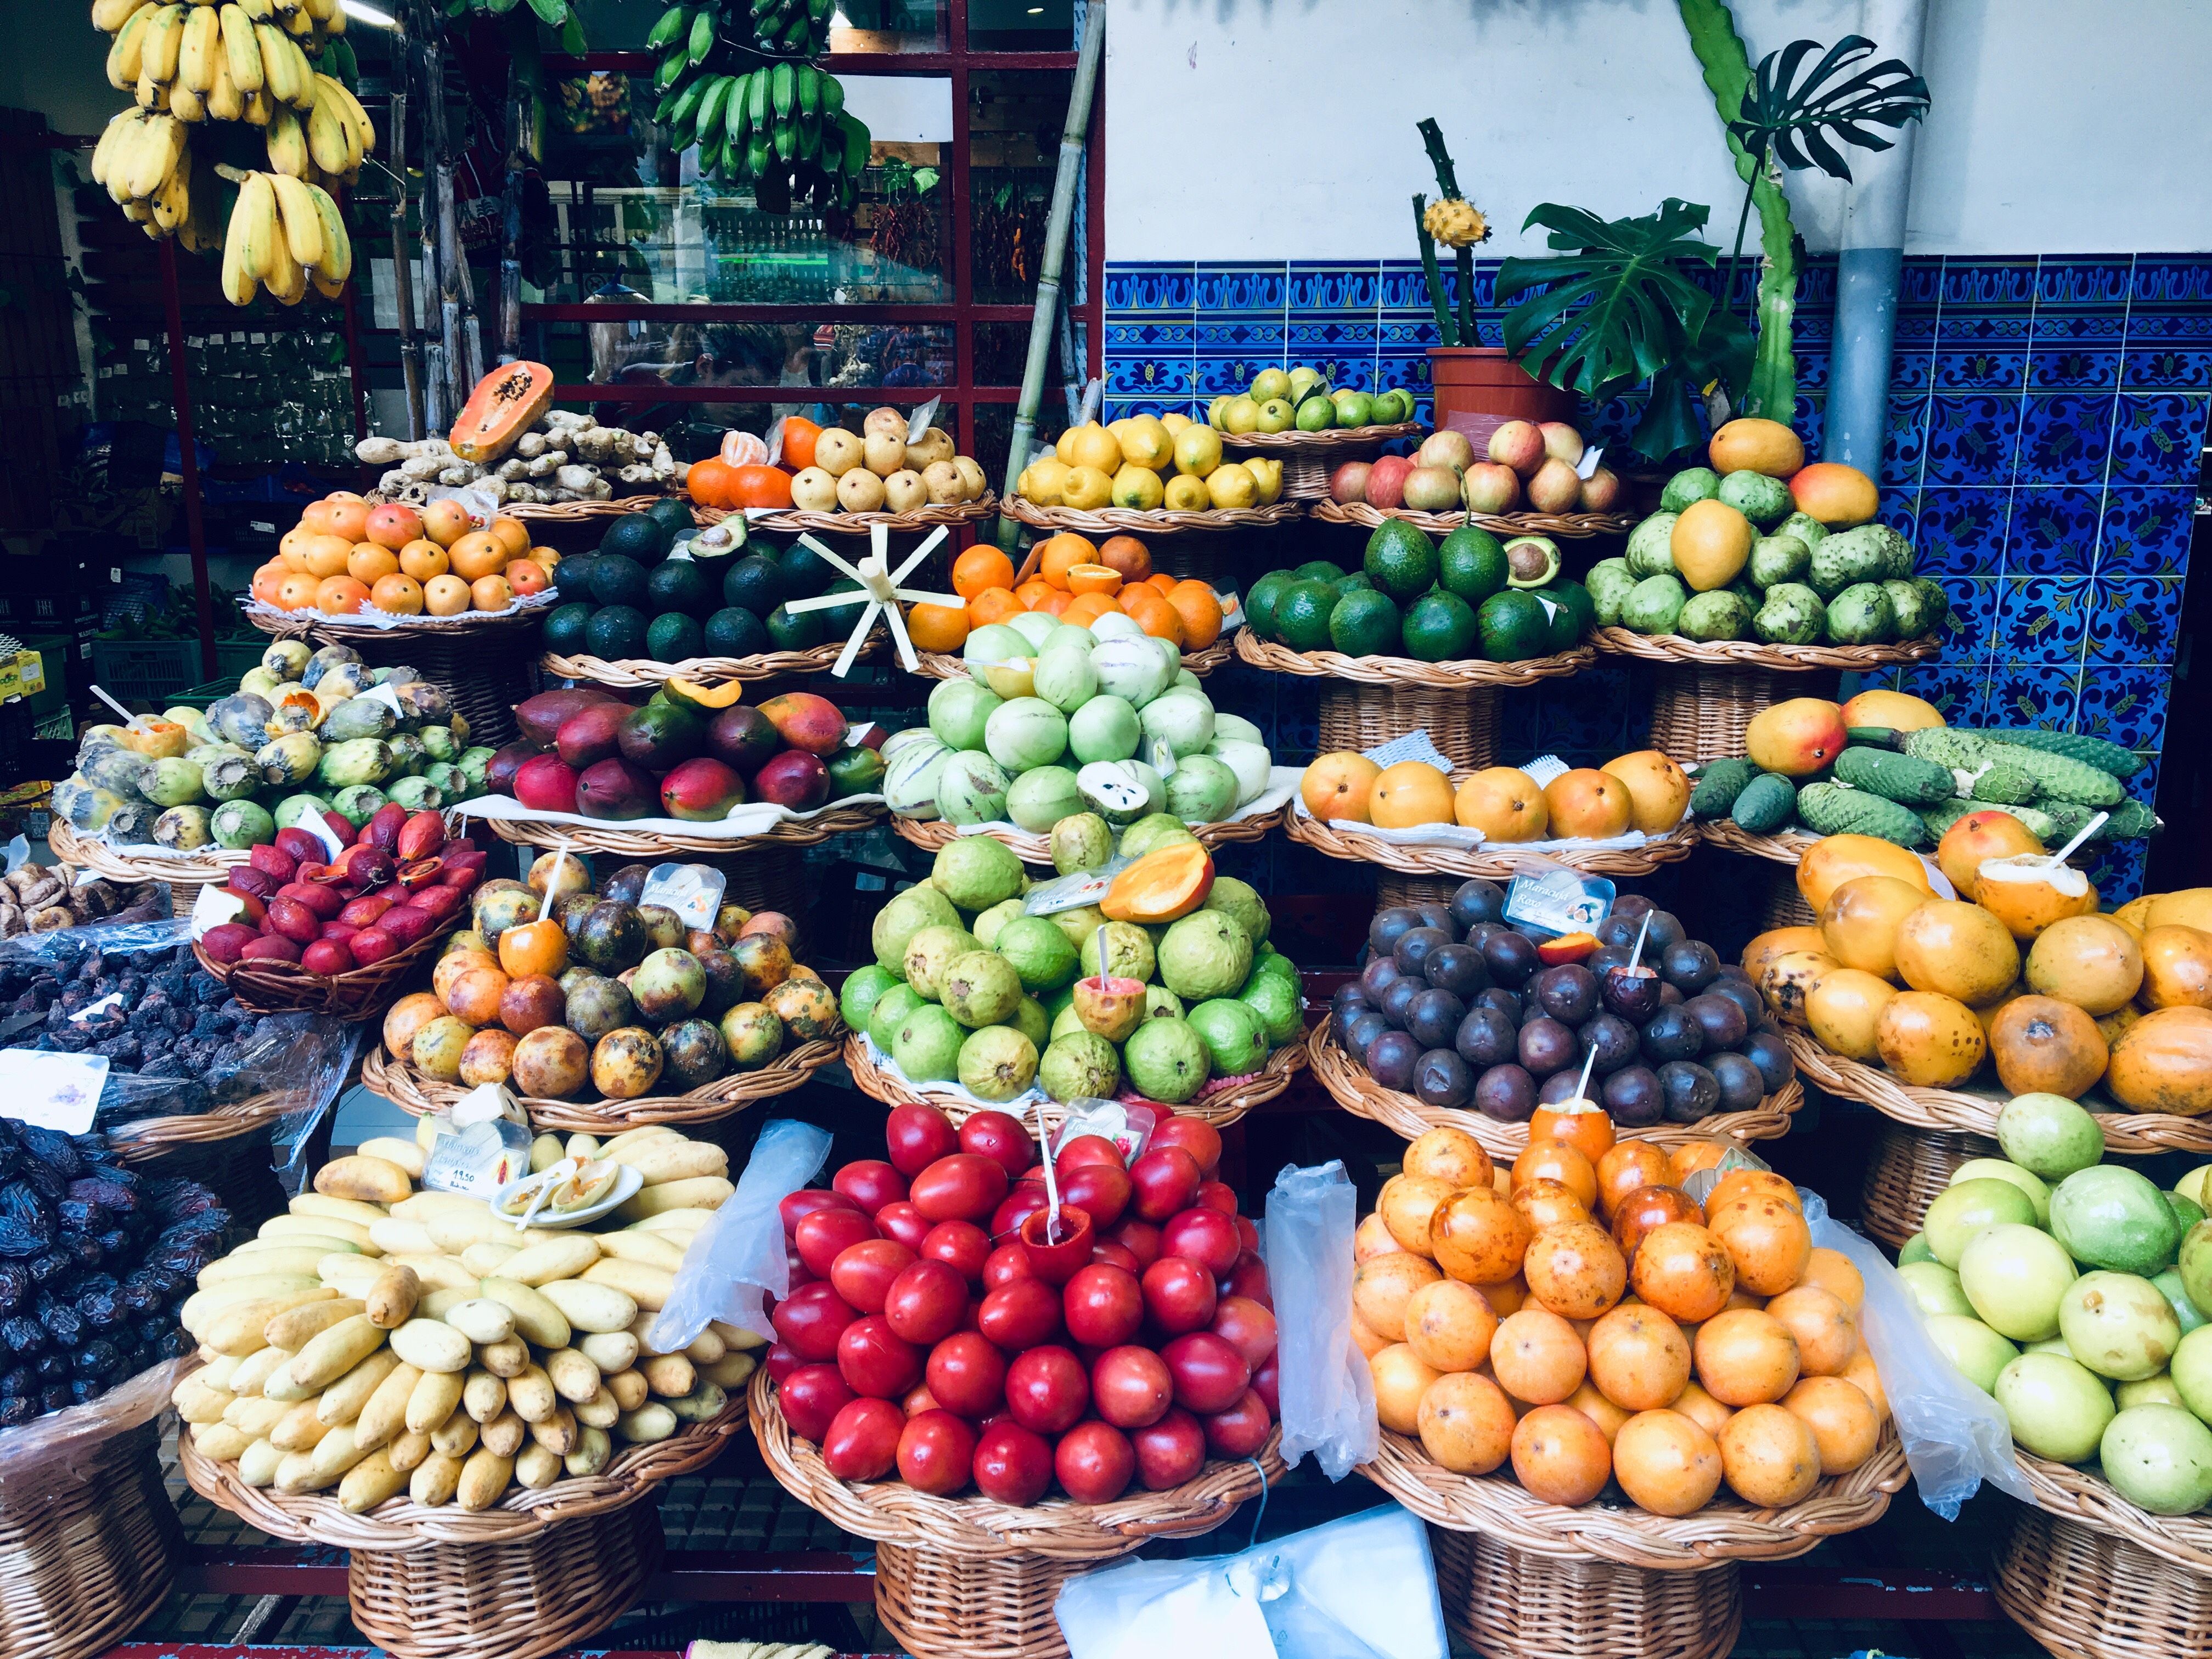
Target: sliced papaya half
pixel 506 403
pixel 1161 885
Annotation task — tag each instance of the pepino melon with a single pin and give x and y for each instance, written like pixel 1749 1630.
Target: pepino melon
pixel 506 403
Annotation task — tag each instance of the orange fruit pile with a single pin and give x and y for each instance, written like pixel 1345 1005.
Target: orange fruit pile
pixel 1077 581
pixel 346 555
pixel 1583 1317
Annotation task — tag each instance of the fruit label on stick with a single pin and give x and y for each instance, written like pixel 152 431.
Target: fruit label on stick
pixel 1587 465
pixel 386 695
pixel 857 735
pixel 50 1090
pixel 95 1010
pixel 919 422
pixel 694 891
pixel 1162 757
pixel 477 1161
pixel 1073 892
pixel 214 907
pixel 1556 899
pixel 1415 745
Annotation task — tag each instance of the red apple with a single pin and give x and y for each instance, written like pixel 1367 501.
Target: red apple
pixel 1095 1463
pixel 968 1376
pixel 797 1206
pixel 960 1186
pixel 811 1319
pixel 862 1444
pixel 1247 1327
pixel 1020 1314
pixel 902 1221
pixel 1103 1306
pixel 875 1362
pixel 1169 1452
pixel 960 1245
pixel 999 1137
pixel 1386 481
pixel 1348 484
pixel 917 1136
pixel 926 1302
pixel 1194 1135
pixel 1130 1387
pixel 1206 1236
pixel 871 1184
pixel 1240 1431
pixel 811 1396
pixel 936 1453
pixel 1165 1180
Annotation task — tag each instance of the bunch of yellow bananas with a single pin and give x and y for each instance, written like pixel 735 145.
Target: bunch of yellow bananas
pixel 226 62
pixel 145 161
pixel 284 234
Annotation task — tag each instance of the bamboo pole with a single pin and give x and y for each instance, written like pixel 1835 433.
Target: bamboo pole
pixel 510 223
pixel 403 264
pixel 1045 320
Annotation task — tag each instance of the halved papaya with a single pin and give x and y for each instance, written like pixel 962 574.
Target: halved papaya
pixel 505 404
pixel 697 694
pixel 1161 885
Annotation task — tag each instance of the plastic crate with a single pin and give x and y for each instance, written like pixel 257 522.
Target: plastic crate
pixel 202 697
pixel 145 670
pixel 239 656
pixel 133 596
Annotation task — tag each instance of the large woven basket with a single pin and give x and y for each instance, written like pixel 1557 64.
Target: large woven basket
pixel 933 835
pixel 2084 1594
pixel 1309 458
pixel 399 1082
pixel 558 513
pixel 88 1549
pixel 1974 1110
pixel 1501 1600
pixel 1404 672
pixel 1348 1081
pixel 182 873
pixel 1909 1169
pixel 1221 1107
pixel 1564 524
pixel 969 1578
pixel 278 987
pixel 1104 521
pixel 484 663
pixel 1460 720
pixel 637 673
pixel 144 1138
pixel 793 519
pixel 1497 860
pixel 944 665
pixel 612 839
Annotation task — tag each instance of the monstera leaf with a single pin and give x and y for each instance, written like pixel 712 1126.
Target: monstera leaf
pixel 1618 309
pixel 1802 124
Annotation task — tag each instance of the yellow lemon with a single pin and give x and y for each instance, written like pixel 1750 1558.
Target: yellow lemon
pixel 1137 488
pixel 1231 485
pixel 1094 447
pixel 1185 493
pixel 1175 423
pixel 1145 442
pixel 1086 487
pixel 1042 481
pixel 1242 416
pixel 1197 450
pixel 1266 476
pixel 1217 407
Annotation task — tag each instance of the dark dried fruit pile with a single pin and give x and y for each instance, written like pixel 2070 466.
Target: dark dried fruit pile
pixel 175 1022
pixel 95 1260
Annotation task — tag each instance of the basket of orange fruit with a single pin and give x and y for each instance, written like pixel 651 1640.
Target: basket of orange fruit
pixel 1609 1376
pixel 1068 580
pixel 844 482
pixel 1936 1010
pixel 351 566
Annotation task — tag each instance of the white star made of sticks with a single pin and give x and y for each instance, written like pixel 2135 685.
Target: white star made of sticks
pixel 879 591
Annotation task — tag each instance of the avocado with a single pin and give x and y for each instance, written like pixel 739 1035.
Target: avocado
pixel 575 575
pixel 675 518
pixel 1261 599
pixel 671 637
pixel 1440 627
pixel 680 586
pixel 1580 606
pixel 1514 626
pixel 755 583
pixel 1301 614
pixel 1365 624
pixel 1531 561
pixel 1472 563
pixel 616 632
pixel 1317 571
pixel 802 632
pixel 731 632
pixel 638 536
pixel 617 578
pixel 1401 560
pixel 805 572
pixel 565 629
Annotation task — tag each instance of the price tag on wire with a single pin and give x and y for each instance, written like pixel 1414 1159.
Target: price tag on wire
pixel 694 891
pixel 51 1090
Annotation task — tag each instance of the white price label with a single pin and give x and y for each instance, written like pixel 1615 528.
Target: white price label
pixel 681 553
pixel 214 907
pixel 50 1090
pixel 919 422
pixel 1587 465
pixel 857 735
pixel 485 1104
pixel 694 891
pixel 320 827
pixel 477 1161
pixel 1162 757
pixel 1559 900
pixel 388 694
pixel 95 1010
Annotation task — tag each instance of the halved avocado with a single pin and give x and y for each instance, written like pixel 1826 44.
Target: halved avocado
pixel 1531 561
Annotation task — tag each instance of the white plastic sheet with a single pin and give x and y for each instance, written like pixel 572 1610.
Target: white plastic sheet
pixel 1327 1396
pixel 1955 1436
pixel 737 1260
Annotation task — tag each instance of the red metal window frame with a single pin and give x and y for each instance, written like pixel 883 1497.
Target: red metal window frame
pixel 961 398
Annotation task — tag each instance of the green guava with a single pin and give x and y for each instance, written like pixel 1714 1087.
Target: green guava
pixel 997 1063
pixel 1079 1066
pixel 1205 954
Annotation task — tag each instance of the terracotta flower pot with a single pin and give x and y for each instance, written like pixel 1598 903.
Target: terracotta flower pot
pixel 1478 389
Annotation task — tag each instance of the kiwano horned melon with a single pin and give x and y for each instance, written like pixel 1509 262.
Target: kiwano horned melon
pixel 506 403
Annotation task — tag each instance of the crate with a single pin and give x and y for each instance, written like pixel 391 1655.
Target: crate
pixel 239 656
pixel 202 697
pixel 134 596
pixel 145 670
pixel 56 655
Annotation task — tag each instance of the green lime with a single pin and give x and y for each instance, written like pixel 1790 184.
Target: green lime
pixel 1316 415
pixel 757 583
pixel 637 536
pixel 674 637
pixel 1514 626
pixel 802 632
pixel 1471 563
pixel 1440 628
pixel 616 632
pixel 1364 623
pixel 1260 601
pixel 1401 559
pixel 732 632
pixel 565 629
pixel 1302 614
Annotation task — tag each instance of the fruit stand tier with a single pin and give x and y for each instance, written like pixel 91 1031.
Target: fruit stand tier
pixel 1033 847
pixel 1560 524
pixel 795 519
pixel 1499 860
pixel 1308 457
pixel 1104 521
pixel 636 674
pixel 618 842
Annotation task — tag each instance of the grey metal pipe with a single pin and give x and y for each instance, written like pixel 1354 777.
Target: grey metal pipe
pixel 1870 263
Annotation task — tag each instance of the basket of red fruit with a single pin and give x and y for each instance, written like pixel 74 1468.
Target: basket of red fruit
pixel 334 925
pixel 1123 1353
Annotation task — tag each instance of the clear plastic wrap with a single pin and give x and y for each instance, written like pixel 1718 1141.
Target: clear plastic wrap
pixel 1955 1436
pixel 234 1054
pixel 737 1260
pixel 60 1447
pixel 1327 1396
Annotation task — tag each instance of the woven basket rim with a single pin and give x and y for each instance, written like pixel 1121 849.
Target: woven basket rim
pixel 944 665
pixel 890 1511
pixel 316 625
pixel 399 1082
pixel 1491 859
pixel 1566 524
pixel 855 524
pixel 2085 1496
pixel 1405 670
pixel 1346 438
pixel 1157 522
pixel 211 866
pixel 1221 1109
pixel 1955 1112
pixel 583 511
pixel 402 1525
pixel 147 1138
pixel 932 835
pixel 1335 1070
pixel 270 986
pixel 1787 848
pixel 1749 654
pixel 1723 1531
pixel 636 673
pixel 613 840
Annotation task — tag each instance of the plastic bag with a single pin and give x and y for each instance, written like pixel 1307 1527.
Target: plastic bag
pixel 737 1260
pixel 1955 1436
pixel 60 1447
pixel 1328 1395
pixel 1361 1587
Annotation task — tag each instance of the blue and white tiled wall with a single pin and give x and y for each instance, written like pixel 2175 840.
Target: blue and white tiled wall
pixel 2047 417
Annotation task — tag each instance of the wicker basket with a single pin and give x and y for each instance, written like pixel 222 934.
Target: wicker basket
pixel 182 873
pixel 1973 1111
pixel 1309 458
pixel 618 843
pixel 1348 1081
pixel 1104 521
pixel 399 1082
pixel 943 665
pixel 559 512
pixel 483 663
pixel 1462 722
pixel 279 988
pixel 1909 1169
pixel 793 520
pixel 1786 847
pixel 2084 1595
pixel 1563 524
pixel 89 1550
pixel 413 631
pixel 148 1138
pixel 1501 1600
pixel 968 1578
pixel 1497 859
pixel 1220 1107
pixel 932 835
pixel 636 674
pixel 1404 673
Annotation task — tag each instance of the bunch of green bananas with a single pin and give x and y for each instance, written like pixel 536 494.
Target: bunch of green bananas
pixel 776 28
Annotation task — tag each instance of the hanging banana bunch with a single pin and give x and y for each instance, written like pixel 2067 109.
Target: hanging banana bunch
pixel 734 81
pixel 285 235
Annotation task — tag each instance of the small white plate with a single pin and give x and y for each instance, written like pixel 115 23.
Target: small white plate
pixel 628 1180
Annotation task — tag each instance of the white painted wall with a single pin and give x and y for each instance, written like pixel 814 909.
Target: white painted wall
pixel 1267 128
